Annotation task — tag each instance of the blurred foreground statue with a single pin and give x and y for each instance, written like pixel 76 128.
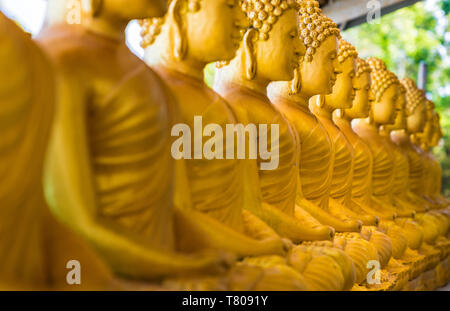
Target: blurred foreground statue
pixel 109 166
pixel 35 248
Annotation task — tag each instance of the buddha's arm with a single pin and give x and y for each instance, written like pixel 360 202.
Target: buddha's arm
pixel 385 209
pixel 367 220
pixel 289 227
pixel 327 219
pixel 419 201
pixel 285 225
pixel 206 232
pixel 74 201
pixel 373 211
pixel 405 208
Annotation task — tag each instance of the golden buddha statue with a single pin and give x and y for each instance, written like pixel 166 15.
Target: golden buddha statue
pixel 362 156
pixel 35 248
pixel 436 218
pixel 316 75
pixel 405 235
pixel 416 113
pixel 341 98
pixel 243 83
pixel 215 193
pixel 109 166
pixel 435 184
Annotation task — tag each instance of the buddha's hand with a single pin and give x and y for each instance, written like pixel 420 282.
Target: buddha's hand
pixel 219 260
pixel 288 244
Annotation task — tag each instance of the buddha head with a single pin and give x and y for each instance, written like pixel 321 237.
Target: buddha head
pixel 384 92
pixel 270 48
pixel 315 73
pixel 119 11
pixel 195 32
pixel 320 36
pixel 400 114
pixel 361 84
pixel 343 90
pixel 415 106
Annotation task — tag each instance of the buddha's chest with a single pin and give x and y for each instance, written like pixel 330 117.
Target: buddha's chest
pixel 362 158
pixel 128 119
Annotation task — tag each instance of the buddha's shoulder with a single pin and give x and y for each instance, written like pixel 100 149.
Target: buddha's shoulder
pixel 75 47
pixel 303 122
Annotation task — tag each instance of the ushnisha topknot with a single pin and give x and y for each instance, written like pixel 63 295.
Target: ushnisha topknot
pixel 314 27
pixel 346 50
pixel 263 14
pixel 362 67
pixel 414 96
pixel 382 78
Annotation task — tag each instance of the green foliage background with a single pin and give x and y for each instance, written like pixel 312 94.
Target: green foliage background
pixel 403 39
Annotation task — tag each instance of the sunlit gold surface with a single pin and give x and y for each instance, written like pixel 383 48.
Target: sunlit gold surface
pixel 109 165
pixel 86 120
pixel 34 248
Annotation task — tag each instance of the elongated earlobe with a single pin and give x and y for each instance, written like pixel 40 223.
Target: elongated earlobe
pixel 296 83
pixel 249 60
pixel 176 32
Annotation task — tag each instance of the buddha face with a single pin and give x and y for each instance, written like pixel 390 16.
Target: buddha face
pixel 383 110
pixel 278 56
pixel 343 92
pixel 415 122
pixel 361 106
pixel 213 31
pixel 129 9
pixel 318 75
pixel 400 121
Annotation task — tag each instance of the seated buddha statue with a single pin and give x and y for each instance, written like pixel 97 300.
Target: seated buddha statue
pixel 415 110
pixel 323 107
pixel 435 217
pixel 423 142
pixel 316 75
pixel 423 147
pixel 436 188
pixel 243 83
pixel 443 269
pixel 219 189
pixel 362 156
pixel 415 123
pixel 382 114
pixel 109 167
pixel 35 248
pixel 339 101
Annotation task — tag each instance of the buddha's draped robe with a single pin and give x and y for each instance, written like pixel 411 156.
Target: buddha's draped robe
pixel 127 131
pixel 34 247
pixel 341 183
pixel 383 161
pixel 279 188
pixel 215 186
pixel 362 164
